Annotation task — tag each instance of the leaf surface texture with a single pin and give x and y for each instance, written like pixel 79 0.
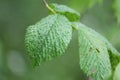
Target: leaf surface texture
pixel 48 38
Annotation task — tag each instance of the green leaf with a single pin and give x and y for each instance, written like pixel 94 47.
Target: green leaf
pixel 94 57
pixel 48 38
pixel 116 6
pixel 71 14
pixel 113 53
pixel 117 73
pixel 82 5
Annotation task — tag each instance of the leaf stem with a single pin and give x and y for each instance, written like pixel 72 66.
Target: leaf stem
pixel 74 27
pixel 46 4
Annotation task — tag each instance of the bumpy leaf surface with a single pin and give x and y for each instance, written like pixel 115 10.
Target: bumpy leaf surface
pixel 94 57
pixel 113 53
pixel 48 38
pixel 71 14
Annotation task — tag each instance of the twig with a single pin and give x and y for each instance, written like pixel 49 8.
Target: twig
pixel 46 4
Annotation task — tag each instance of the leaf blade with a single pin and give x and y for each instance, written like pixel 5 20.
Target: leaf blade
pixel 94 58
pixel 48 38
pixel 71 14
pixel 81 5
pixel 113 53
pixel 116 6
pixel 116 75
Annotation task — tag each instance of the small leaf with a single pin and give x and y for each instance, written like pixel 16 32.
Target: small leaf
pixel 48 38
pixel 71 14
pixel 82 5
pixel 117 73
pixel 116 7
pixel 94 57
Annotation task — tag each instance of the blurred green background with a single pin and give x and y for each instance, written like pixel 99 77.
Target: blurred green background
pixel 17 15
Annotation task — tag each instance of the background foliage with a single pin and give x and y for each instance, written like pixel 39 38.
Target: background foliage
pixel 16 15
